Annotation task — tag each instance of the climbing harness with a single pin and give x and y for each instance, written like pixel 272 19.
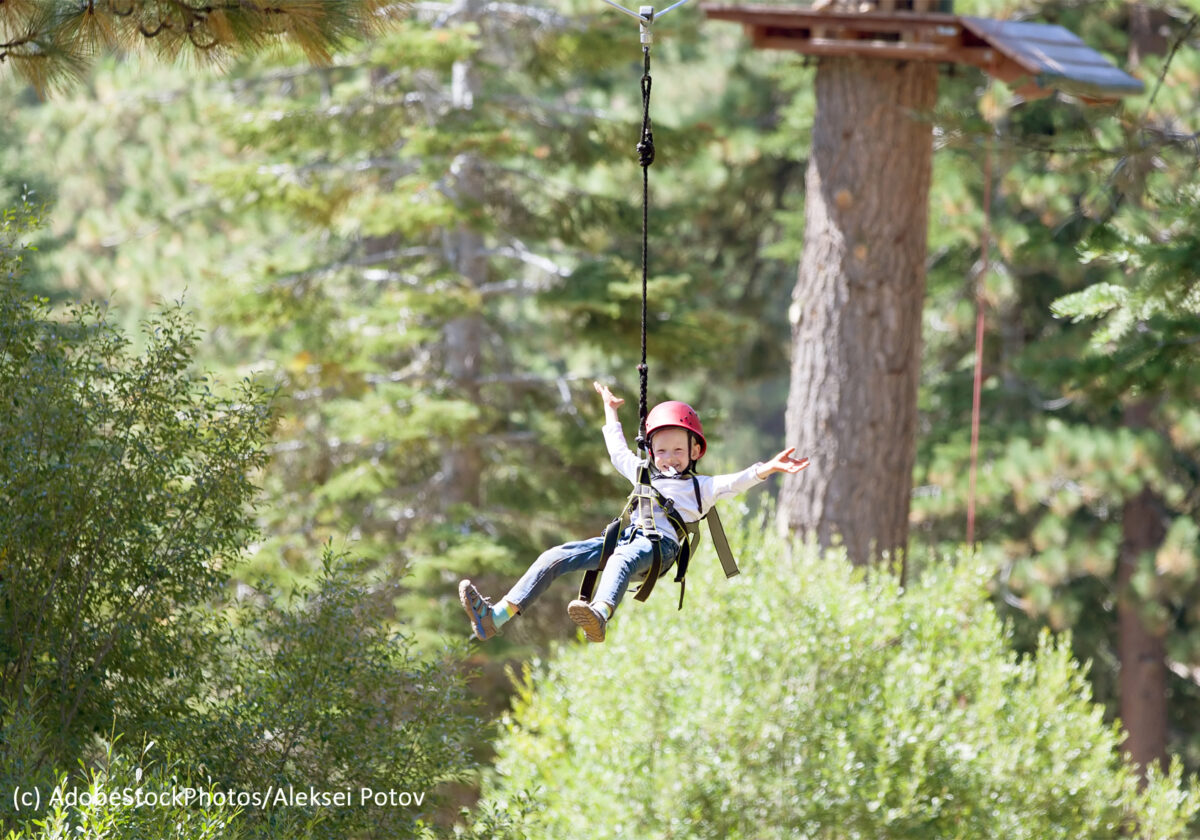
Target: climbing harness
pixel 644 496
pixel 639 510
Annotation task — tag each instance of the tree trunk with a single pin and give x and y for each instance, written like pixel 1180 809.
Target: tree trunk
pixel 1147 33
pixel 856 311
pixel 1142 649
pixel 463 337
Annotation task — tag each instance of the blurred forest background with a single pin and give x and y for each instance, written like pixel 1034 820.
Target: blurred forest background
pixel 290 347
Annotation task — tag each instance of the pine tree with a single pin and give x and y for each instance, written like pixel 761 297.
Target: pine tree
pixel 1085 489
pixel 285 204
pixel 856 328
pixel 462 263
pixel 49 43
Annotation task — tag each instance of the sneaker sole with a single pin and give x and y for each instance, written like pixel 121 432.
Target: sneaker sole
pixel 465 599
pixel 581 614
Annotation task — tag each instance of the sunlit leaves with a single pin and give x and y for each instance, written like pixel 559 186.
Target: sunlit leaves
pixel 802 700
pixel 50 42
pixel 126 490
pixel 316 685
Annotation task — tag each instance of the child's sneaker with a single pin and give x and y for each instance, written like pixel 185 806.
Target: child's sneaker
pixel 589 618
pixel 479 610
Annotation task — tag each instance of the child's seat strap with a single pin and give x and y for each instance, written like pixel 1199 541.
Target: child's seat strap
pixel 687 534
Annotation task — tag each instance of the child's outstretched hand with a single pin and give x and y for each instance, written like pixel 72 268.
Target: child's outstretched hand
pixel 610 400
pixel 783 462
pixel 611 403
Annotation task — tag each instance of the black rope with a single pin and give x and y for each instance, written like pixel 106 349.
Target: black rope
pixel 645 150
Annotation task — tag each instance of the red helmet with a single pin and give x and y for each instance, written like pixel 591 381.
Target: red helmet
pixel 675 413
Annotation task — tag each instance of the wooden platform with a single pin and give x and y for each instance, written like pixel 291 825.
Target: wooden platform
pixel 1044 56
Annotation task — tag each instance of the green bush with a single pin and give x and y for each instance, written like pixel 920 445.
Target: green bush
pixel 125 494
pixel 125 499
pixel 127 797
pixel 313 695
pixel 321 692
pixel 309 693
pixel 805 699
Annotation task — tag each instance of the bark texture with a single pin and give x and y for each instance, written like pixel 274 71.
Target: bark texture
pixel 1142 648
pixel 856 310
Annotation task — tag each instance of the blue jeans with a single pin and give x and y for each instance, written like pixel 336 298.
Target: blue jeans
pixel 633 556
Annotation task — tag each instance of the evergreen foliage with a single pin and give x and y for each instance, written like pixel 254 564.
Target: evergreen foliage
pixel 125 482
pixel 1148 316
pixel 804 699
pixel 49 43
pixel 1089 312
pixel 125 489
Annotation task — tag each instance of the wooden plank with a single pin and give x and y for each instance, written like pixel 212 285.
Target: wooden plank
pixel 883 49
pixel 789 30
pixel 860 23
pixel 1010 50
pixel 862 49
pixel 767 15
pixel 981 57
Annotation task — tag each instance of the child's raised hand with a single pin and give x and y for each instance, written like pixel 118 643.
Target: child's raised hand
pixel 610 401
pixel 784 462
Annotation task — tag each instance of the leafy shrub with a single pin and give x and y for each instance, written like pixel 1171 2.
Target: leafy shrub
pixel 314 695
pixel 125 493
pixel 322 693
pixel 125 498
pixel 806 699
pixel 126 797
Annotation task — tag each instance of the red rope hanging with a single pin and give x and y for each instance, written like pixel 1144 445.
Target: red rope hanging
pixel 985 243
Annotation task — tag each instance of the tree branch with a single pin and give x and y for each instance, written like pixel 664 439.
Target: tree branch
pixel 355 262
pixel 1191 25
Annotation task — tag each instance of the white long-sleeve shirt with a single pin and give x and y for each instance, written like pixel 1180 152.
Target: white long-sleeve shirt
pixel 680 491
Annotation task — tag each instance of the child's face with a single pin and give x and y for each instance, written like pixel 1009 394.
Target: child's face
pixel 671 448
